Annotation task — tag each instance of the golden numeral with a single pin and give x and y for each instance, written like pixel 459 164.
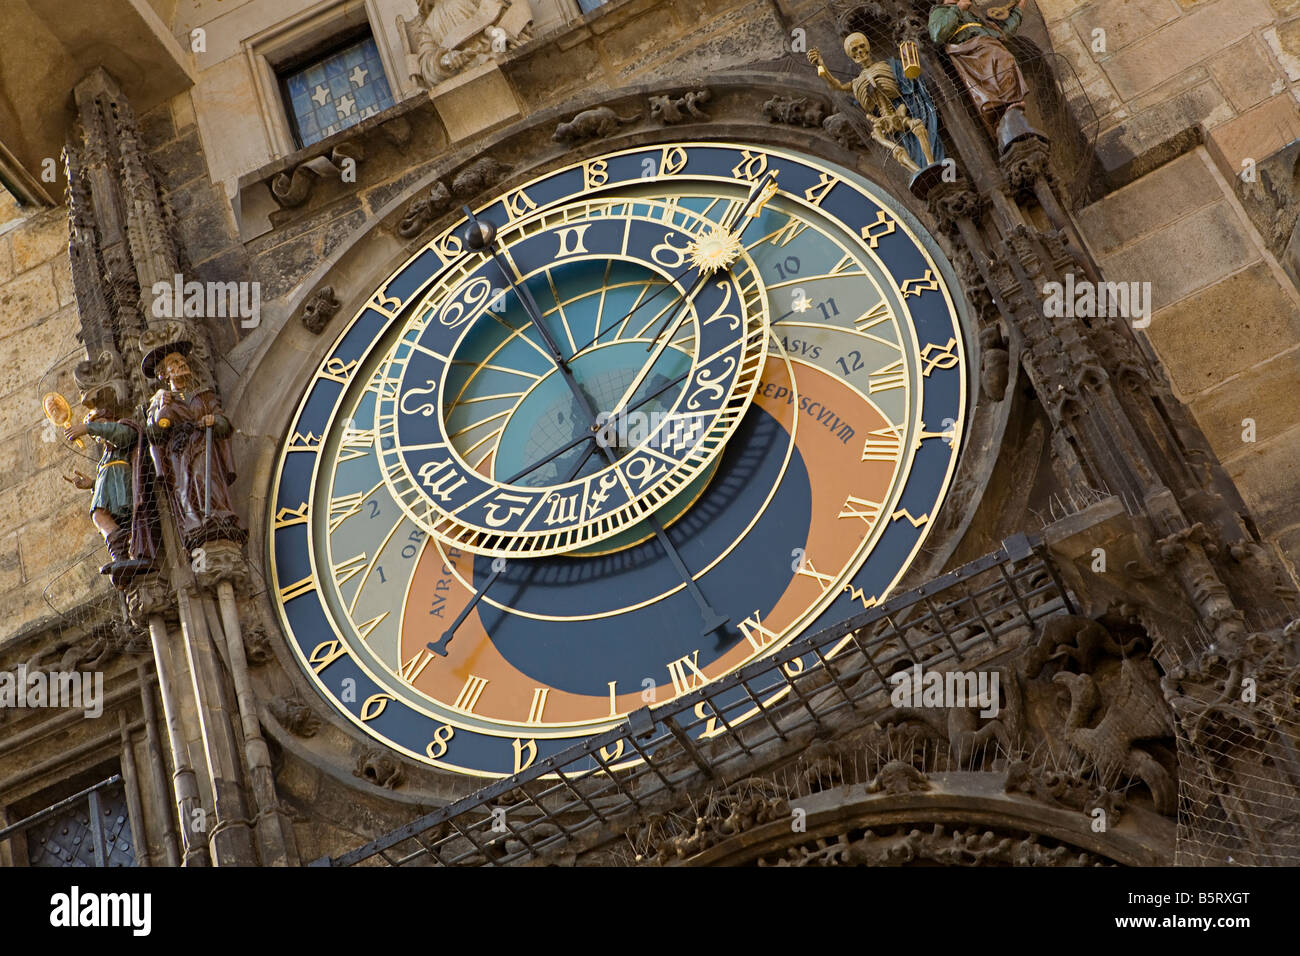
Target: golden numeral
pixel 757 635
pixel 325 654
pixel 927 283
pixel 815 194
pixel 877 315
pixel 539 704
pixel 705 713
pixel 368 627
pixel 345 571
pixel 613 752
pixel 518 203
pixel 595 173
pixel 868 511
pixel 374 706
pixel 337 370
pixel 470 693
pixel 523 747
pixel 291 516
pixel 674 160
pixel 809 571
pixel 943 357
pixel 437 747
pixel 883 444
pixel 904 513
pixel 613 698
pixel 882 227
pixel 686 674
pixel 343 508
pixel 893 375
pixel 751 165
pixel 297 589
pixel 413 668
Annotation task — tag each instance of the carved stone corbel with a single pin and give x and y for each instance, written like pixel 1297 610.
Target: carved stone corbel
pixel 321 306
pixel 292 188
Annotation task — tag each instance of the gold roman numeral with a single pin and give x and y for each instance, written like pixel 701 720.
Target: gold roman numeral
pixel 539 704
pixel 345 571
pixel 297 589
pixel 413 668
pixel 893 375
pixel 883 444
pixel 470 693
pixel 868 511
pixel 686 674
pixel 343 508
pixel 757 635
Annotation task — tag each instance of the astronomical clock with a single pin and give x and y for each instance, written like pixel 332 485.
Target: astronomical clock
pixel 614 434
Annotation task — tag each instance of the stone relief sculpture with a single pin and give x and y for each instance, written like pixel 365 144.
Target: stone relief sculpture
pixel 987 68
pixel 121 499
pixel 447 37
pixel 900 110
pixel 189 439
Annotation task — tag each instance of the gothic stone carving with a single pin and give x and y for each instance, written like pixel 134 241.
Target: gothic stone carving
pixel 795 111
pixel 424 211
pixel 380 768
pixel 293 188
pixel 294 715
pixel 941 844
pixel 447 37
pixel 591 124
pixel 671 110
pixel 319 308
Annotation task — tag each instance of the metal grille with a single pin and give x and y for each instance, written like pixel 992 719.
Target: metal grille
pixel 821 685
pixel 91 828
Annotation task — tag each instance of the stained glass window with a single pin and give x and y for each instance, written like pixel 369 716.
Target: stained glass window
pixel 336 91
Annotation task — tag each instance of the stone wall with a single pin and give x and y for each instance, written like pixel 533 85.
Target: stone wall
pixel 1224 70
pixel 47 526
pixel 1191 96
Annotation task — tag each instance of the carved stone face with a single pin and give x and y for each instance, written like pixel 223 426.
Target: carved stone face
pixel 858 47
pixel 175 371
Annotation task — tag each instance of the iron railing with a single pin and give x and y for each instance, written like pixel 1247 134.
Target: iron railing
pixel 761 715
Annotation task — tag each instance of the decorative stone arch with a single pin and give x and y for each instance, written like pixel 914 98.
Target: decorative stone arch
pixel 960 819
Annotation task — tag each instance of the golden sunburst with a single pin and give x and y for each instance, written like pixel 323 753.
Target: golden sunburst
pixel 714 250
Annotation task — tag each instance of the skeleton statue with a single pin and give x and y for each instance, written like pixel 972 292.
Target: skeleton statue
pixel 885 95
pixel 450 36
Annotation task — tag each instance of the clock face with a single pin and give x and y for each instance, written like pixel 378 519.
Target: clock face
pixel 665 422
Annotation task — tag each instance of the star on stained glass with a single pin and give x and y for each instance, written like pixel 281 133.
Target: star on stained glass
pixel 320 95
pixel 358 75
pixel 346 105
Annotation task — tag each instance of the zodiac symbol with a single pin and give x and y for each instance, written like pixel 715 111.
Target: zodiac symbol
pixel 428 408
pixel 708 382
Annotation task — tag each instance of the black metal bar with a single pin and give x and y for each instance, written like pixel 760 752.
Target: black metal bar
pixel 868 632
pixel 97 829
pixel 28 822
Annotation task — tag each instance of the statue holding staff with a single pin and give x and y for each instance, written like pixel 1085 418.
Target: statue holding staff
pixel 189 438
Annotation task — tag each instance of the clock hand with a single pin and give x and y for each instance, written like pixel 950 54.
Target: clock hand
pixel 440 646
pixel 762 191
pixel 482 235
pixel 759 194
pixel 586 438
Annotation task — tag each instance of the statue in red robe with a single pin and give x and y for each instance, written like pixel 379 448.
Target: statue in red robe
pixel 189 440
